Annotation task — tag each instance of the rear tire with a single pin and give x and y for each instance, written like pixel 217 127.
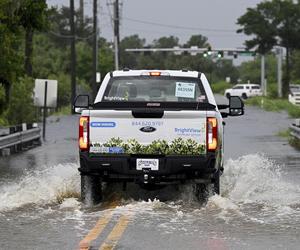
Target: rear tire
pixel 216 183
pixel 201 191
pixel 228 95
pixel 91 189
pixel 244 96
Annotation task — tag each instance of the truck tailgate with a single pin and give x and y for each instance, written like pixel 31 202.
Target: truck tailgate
pixel 112 130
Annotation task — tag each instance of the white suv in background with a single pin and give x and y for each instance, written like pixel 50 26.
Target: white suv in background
pixel 244 90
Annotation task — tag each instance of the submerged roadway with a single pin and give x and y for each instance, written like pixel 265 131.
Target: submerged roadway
pixel 259 205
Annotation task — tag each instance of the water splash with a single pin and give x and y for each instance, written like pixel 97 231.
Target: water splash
pixel 256 179
pixel 253 188
pixel 40 187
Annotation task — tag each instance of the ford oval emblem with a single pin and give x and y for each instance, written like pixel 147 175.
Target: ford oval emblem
pixel 147 129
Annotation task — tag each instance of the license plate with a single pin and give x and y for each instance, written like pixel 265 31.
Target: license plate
pixel 147 164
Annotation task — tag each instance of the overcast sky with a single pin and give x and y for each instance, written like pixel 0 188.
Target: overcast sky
pixel 215 19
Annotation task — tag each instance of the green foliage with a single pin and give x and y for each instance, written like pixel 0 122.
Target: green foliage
pixel 284 133
pixel 33 15
pixel 273 23
pixel 197 40
pixel 11 58
pixel 220 87
pixel 48 59
pixel 166 42
pixel 2 99
pixel 250 71
pixel 129 60
pixel 277 105
pixel 21 107
pixel 64 110
pixel 295 143
pixel 224 68
pixel 178 146
pixel 3 113
pixel 63 90
pixel 255 22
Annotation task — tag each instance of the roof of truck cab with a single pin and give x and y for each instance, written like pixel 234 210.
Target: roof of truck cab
pixel 180 73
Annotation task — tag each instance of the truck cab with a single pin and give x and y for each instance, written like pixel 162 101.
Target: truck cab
pixel 153 128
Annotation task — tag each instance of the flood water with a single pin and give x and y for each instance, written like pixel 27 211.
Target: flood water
pixel 259 205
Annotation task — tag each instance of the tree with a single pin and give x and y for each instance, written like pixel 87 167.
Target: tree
pixel 130 60
pixel 259 22
pixel 60 26
pixel 287 18
pixel 250 70
pixel 9 45
pixel 273 23
pixel 166 42
pixel 197 40
pixel 21 108
pixel 32 17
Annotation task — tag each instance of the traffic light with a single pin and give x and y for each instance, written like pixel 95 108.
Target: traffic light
pixel 209 52
pixel 205 54
pixel 220 54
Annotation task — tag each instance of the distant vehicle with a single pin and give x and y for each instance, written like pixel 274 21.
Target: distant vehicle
pixel 294 95
pixel 244 90
pixel 154 128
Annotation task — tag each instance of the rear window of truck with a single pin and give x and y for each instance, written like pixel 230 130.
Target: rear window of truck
pixel 154 89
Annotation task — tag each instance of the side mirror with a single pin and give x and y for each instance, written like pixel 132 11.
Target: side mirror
pixel 236 106
pixel 81 102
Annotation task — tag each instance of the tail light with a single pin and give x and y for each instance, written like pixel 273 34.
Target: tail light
pixel 84 133
pixel 212 134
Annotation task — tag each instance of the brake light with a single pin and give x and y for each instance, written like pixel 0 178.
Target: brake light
pixel 84 133
pixel 155 73
pixel 212 133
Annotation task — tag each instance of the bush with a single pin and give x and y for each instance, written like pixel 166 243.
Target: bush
pixel 220 87
pixel 271 104
pixel 63 89
pixel 21 108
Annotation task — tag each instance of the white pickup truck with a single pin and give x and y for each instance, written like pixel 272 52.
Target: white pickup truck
pixel 154 128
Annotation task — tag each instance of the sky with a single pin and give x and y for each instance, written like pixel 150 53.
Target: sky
pixel 215 19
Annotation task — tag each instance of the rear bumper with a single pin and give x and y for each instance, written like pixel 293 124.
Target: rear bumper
pixel 122 168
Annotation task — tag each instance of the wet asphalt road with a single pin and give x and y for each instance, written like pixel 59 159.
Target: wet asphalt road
pixel 259 207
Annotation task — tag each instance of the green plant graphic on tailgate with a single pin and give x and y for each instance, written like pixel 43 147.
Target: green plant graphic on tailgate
pixel 178 146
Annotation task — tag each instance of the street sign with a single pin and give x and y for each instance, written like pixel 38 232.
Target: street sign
pixel 40 90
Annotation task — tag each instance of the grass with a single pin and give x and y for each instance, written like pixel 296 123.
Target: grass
pixel 275 105
pixel 65 110
pixel 294 142
pixel 284 133
pixel 219 87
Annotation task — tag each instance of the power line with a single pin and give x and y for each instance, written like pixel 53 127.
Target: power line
pixel 70 36
pixel 174 26
pixel 178 33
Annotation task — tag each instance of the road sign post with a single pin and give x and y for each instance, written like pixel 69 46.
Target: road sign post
pixel 45 110
pixel 45 97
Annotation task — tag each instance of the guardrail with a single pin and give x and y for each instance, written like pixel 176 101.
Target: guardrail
pixel 19 138
pixel 295 129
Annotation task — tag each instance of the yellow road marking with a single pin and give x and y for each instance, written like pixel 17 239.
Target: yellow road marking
pixel 95 232
pixel 116 233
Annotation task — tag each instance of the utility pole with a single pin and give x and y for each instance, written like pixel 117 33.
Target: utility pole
pixel 81 13
pixel 95 48
pixel 73 54
pixel 116 33
pixel 279 71
pixel 263 75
